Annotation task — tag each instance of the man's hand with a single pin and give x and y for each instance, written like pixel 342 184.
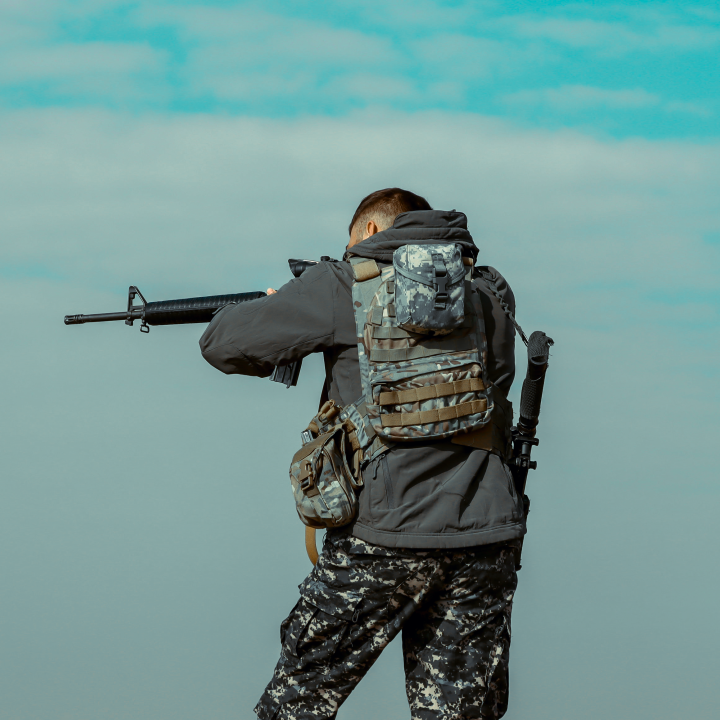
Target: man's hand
pixel 270 291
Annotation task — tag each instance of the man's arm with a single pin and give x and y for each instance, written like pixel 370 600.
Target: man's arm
pixel 253 337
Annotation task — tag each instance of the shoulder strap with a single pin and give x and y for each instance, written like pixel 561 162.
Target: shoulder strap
pixel 364 269
pixel 487 277
pixel 363 291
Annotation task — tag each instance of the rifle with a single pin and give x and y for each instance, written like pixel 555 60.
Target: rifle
pixel 194 310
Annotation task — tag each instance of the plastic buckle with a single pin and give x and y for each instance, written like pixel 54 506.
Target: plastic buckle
pixel 440 278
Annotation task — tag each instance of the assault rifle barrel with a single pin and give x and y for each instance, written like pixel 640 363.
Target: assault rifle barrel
pixel 194 310
pixel 181 312
pixel 100 317
pixel 167 312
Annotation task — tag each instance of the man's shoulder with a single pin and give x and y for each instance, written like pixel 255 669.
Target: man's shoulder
pixel 329 271
pixel 489 276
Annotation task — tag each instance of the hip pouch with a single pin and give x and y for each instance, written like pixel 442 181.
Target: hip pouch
pixel 324 472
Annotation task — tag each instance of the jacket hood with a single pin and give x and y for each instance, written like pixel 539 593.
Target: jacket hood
pixel 419 227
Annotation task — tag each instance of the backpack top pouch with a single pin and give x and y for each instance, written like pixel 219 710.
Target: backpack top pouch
pixel 429 288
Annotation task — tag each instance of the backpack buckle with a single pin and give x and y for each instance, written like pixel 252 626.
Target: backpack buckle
pixel 440 277
pixel 307 483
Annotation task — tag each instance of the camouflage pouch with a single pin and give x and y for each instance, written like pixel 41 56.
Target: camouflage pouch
pixel 323 483
pixel 429 288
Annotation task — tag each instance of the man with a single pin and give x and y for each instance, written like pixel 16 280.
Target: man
pixel 432 551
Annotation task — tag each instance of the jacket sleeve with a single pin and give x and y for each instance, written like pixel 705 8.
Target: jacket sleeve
pixel 251 338
pixel 499 330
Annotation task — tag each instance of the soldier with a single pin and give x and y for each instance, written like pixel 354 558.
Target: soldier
pixel 432 551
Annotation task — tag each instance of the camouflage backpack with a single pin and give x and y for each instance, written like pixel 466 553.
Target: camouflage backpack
pixel 421 345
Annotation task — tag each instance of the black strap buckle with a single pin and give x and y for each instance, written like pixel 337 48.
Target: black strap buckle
pixel 440 277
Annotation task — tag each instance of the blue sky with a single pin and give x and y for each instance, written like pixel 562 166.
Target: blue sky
pixel 645 69
pixel 149 546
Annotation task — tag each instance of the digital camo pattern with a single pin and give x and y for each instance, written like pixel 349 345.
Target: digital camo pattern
pixel 415 300
pixel 449 364
pixel 362 295
pixel 322 482
pixel 453 608
pixel 352 414
pixel 446 369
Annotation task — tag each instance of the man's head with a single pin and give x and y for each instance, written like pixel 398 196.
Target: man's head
pixel 378 211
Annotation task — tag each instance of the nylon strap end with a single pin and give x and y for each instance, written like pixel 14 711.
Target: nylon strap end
pixel 366 270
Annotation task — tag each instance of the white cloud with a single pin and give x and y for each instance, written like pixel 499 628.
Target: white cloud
pixel 72 63
pixel 36 52
pixel 269 60
pixel 243 53
pixel 581 97
pixel 463 57
pixel 170 190
pixel 616 36
pixel 577 98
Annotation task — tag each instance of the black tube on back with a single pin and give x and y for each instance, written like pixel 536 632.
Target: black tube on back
pixel 532 389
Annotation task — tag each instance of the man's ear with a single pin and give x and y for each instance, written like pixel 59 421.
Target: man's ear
pixel 370 229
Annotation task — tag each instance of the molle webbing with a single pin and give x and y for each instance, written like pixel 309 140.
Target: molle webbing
pixel 453 412
pixel 428 392
pixel 426 281
pixel 427 349
pixel 390 332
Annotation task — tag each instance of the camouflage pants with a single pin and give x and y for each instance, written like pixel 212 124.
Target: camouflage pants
pixel 453 607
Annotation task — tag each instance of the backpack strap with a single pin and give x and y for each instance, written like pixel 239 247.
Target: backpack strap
pixel 368 279
pixel 364 269
pixel 487 277
pixel 363 292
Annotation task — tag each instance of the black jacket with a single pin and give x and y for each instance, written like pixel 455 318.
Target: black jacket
pixel 435 495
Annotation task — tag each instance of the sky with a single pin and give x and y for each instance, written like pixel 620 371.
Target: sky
pixel 149 546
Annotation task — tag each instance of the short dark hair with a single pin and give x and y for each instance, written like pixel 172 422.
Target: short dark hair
pixel 383 206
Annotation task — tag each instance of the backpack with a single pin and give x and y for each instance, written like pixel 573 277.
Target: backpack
pixel 421 345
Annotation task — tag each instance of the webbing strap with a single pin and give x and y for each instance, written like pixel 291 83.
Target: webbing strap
pixel 453 412
pixel 482 438
pixel 310 545
pixel 487 277
pixel 430 281
pixel 400 397
pixel 391 332
pixel 388 332
pixel 427 349
pixel 365 270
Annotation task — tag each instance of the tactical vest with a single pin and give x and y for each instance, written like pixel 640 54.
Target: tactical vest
pixel 423 354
